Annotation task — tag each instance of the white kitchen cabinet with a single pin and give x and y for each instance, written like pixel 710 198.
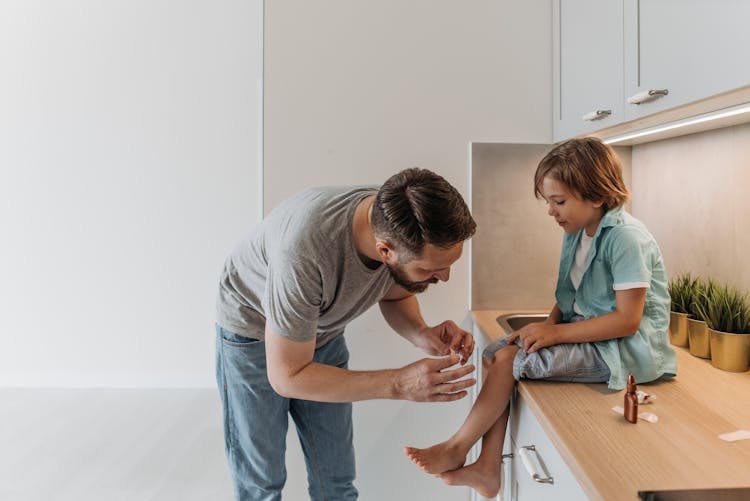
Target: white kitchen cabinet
pixel 692 48
pixel 587 66
pixel 555 481
pixel 607 54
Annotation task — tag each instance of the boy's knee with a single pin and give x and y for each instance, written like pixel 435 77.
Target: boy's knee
pixel 504 356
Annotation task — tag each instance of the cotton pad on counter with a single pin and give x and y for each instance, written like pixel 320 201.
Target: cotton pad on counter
pixel 644 398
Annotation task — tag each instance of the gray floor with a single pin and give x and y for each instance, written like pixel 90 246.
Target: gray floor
pixel 129 445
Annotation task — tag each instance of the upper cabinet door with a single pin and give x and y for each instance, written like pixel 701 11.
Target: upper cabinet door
pixel 680 51
pixel 587 66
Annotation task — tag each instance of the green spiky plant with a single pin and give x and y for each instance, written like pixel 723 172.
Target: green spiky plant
pixel 680 291
pixel 700 297
pixel 727 310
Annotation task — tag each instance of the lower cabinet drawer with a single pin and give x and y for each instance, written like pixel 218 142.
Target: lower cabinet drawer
pixel 554 480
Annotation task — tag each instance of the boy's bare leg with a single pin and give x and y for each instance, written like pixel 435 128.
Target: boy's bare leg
pixel 490 406
pixel 483 475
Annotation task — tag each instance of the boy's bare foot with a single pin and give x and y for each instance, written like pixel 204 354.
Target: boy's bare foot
pixel 438 458
pixel 484 480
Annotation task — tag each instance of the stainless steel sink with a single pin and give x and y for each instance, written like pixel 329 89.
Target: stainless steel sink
pixel 513 321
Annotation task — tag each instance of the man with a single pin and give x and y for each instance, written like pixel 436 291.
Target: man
pixel 286 294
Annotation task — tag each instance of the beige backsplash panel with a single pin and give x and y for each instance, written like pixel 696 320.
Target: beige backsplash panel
pixel 516 250
pixel 693 193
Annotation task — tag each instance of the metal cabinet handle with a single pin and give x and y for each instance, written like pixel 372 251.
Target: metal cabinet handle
pixel 596 115
pixel 530 465
pixel 647 95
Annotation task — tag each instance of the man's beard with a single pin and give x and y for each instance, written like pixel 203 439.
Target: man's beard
pixel 399 276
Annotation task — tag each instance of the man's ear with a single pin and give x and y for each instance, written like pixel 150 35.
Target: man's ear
pixel 385 250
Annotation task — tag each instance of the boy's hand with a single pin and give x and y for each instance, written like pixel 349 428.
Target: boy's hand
pixel 446 338
pixel 535 336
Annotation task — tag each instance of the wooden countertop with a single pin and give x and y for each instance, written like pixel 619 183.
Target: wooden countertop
pixel 613 459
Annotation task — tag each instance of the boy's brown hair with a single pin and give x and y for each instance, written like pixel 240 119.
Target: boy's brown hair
pixel 417 207
pixel 587 167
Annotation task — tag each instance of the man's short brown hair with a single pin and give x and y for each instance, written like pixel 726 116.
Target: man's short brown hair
pixel 417 207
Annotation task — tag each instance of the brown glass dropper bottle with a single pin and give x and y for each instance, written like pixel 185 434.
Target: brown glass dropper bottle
pixel 631 401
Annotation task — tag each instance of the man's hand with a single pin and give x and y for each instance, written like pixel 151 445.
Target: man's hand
pixel 536 335
pixel 428 380
pixel 446 338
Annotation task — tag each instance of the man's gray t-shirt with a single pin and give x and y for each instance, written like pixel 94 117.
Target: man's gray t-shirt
pixel 300 270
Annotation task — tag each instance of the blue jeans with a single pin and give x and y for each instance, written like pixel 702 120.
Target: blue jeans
pixel 256 422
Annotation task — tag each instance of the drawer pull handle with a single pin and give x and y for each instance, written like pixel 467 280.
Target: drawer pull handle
pixel 530 465
pixel 647 95
pixel 596 115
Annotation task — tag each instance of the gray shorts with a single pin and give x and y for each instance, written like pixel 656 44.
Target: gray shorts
pixel 568 362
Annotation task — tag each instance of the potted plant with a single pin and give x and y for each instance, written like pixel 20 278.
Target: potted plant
pixel 728 319
pixel 698 337
pixel 680 291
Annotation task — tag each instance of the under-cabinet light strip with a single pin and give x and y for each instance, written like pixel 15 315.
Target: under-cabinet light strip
pixel 716 115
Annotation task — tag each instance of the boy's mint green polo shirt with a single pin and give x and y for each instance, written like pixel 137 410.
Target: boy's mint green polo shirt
pixel 623 255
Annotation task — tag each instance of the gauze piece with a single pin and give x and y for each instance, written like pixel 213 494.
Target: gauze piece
pixel 735 435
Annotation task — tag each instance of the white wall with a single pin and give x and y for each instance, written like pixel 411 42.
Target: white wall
pixel 357 90
pixel 129 164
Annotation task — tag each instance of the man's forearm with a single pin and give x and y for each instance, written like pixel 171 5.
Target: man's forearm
pixel 404 317
pixel 325 383
pixel 293 374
